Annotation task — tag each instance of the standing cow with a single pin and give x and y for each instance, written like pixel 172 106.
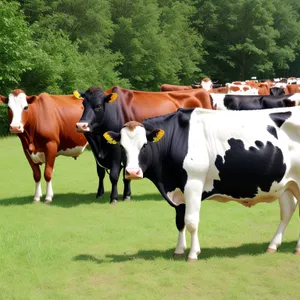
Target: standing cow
pixel 196 154
pixel 45 125
pixel 110 110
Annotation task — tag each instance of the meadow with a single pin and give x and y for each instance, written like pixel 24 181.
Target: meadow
pixel 80 247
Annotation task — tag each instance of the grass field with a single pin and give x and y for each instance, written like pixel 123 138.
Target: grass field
pixel 82 248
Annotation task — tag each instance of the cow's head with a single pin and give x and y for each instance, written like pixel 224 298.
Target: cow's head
pixel 94 101
pixel 17 114
pixel 134 138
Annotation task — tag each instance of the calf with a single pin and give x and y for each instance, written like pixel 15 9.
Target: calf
pixel 196 154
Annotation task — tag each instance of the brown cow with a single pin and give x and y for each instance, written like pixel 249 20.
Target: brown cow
pixel 45 125
pixel 112 109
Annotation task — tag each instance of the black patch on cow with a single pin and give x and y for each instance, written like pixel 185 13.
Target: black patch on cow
pixel 243 171
pixel 180 212
pixel 272 130
pixel 280 118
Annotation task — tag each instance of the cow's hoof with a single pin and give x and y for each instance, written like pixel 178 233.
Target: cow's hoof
pixel 178 255
pixel 271 250
pixel 35 201
pixel 192 260
pixel 113 202
pixel 297 252
pixel 48 201
pixel 127 198
pixel 99 196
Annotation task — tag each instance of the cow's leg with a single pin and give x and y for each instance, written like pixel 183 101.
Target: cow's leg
pixel 50 155
pixel 114 177
pixel 288 205
pixel 36 176
pixel 181 242
pixel 192 195
pixel 127 189
pixel 101 175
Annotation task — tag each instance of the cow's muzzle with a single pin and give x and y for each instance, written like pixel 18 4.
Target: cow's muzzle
pixel 133 173
pixel 82 127
pixel 19 128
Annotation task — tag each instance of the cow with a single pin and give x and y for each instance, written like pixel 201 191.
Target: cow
pixel 3 99
pixel 198 154
pixel 250 102
pixel 110 110
pixel 45 125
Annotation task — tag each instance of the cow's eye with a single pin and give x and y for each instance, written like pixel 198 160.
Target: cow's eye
pixel 25 107
pixel 144 145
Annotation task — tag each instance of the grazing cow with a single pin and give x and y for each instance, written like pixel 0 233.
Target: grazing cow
pixel 196 154
pixel 110 110
pixel 250 102
pixel 45 125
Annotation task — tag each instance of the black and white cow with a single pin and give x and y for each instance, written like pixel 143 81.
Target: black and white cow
pixel 197 154
pixel 250 102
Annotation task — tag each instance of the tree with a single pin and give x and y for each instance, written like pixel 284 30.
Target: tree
pixel 16 45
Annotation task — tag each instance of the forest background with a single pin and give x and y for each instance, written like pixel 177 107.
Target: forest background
pixel 61 45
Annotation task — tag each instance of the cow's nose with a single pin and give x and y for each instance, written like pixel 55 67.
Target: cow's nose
pixel 16 128
pixel 133 173
pixel 82 127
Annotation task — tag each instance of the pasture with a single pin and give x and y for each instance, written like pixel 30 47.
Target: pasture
pixel 80 247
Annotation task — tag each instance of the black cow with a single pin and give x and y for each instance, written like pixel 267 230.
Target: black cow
pixel 250 102
pixel 197 154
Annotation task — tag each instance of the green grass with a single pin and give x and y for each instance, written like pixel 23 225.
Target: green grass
pixel 80 247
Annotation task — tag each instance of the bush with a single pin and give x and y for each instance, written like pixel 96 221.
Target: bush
pixel 3 120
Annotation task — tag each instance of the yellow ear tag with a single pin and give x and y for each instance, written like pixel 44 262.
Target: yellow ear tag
pixel 76 94
pixel 159 135
pixel 109 139
pixel 113 97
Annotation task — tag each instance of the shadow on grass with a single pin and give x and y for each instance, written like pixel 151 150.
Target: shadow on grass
pixel 251 249
pixel 75 199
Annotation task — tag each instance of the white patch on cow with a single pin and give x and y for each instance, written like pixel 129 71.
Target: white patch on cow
pixel 38 191
pixel 218 101
pixel 38 158
pixel 17 104
pixel 295 97
pixel 176 197
pixel 49 192
pixel 74 152
pixel 133 141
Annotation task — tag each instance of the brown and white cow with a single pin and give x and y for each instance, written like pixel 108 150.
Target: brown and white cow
pixel 45 125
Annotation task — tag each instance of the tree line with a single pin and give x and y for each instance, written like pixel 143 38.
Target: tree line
pixel 61 45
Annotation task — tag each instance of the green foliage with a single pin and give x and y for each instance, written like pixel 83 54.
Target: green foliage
pixel 3 120
pixel 16 45
pixel 69 44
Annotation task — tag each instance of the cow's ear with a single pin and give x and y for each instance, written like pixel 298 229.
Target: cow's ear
pixel 155 135
pixel 112 137
pixel 111 97
pixel 31 99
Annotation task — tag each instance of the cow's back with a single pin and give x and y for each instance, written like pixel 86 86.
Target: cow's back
pixel 139 105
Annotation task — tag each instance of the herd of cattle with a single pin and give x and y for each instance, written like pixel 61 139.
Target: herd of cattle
pixel 193 142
